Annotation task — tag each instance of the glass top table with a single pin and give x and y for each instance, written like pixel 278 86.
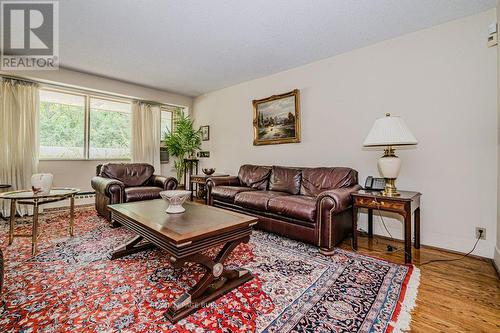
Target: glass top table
pixel 28 197
pixel 55 193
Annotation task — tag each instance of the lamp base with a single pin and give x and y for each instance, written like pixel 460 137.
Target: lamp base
pixel 390 189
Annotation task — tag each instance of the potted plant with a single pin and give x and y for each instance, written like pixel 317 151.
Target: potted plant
pixel 182 142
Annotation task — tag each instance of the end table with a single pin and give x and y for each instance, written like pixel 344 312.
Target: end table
pixel 406 204
pixel 200 181
pixel 27 197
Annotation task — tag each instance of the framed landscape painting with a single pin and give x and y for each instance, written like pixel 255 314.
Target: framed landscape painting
pixel 276 119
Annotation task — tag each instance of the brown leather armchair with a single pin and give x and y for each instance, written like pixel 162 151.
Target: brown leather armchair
pixel 308 204
pixel 127 182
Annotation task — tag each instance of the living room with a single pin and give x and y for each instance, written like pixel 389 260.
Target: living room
pixel 285 166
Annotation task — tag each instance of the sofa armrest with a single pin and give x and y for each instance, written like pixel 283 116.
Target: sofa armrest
pixel 219 181
pixel 340 197
pixel 223 181
pixel 166 183
pixel 106 185
pixel 334 216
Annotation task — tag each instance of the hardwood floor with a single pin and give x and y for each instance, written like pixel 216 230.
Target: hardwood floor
pixel 458 296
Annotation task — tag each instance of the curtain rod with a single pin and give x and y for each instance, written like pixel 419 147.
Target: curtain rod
pixel 45 83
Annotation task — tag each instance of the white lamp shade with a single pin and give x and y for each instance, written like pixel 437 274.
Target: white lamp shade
pixel 390 131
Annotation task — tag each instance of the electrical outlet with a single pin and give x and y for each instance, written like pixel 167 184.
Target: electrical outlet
pixel 482 235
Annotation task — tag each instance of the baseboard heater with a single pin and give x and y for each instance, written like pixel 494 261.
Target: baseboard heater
pixel 85 195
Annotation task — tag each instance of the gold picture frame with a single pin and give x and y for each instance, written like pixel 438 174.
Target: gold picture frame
pixel 276 119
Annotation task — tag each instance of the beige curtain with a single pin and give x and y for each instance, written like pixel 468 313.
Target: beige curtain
pixel 19 102
pixel 145 145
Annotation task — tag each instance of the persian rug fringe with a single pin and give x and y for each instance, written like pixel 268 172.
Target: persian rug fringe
pixel 403 320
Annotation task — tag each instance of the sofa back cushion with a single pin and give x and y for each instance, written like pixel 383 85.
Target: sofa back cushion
pixel 254 176
pixel 285 180
pixel 317 180
pixel 130 174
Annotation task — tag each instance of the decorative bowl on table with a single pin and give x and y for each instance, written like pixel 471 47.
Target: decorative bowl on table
pixel 41 183
pixel 208 171
pixel 175 199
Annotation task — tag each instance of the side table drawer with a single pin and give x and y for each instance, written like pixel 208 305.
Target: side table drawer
pixel 199 180
pixel 379 204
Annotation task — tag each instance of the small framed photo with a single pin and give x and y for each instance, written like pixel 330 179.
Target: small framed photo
pixel 205 133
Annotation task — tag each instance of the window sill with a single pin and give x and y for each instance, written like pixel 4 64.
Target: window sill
pixel 82 159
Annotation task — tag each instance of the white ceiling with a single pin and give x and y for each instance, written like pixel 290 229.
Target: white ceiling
pixel 196 46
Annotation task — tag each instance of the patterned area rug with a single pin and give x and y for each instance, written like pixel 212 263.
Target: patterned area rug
pixel 72 286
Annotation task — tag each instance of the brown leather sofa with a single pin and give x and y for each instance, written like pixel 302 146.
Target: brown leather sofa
pixel 127 182
pixel 306 204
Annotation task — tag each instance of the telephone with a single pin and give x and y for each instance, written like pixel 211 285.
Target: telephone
pixel 374 184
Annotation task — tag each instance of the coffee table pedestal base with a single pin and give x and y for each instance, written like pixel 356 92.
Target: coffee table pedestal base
pixel 217 280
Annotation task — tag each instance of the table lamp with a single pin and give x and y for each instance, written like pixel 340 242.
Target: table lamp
pixel 388 132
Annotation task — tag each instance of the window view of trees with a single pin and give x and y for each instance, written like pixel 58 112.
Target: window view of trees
pixel 63 119
pixel 62 125
pixel 109 129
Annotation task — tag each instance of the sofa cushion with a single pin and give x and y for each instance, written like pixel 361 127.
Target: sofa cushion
pixel 317 180
pixel 227 193
pixel 285 180
pixel 299 207
pixel 130 174
pixel 254 176
pixel 142 193
pixel 256 199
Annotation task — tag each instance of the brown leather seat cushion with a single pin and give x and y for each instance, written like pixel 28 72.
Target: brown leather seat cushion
pixel 142 193
pixel 256 199
pixel 285 180
pixel 295 206
pixel 130 174
pixel 227 193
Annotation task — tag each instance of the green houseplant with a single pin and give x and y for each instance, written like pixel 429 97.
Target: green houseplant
pixel 183 141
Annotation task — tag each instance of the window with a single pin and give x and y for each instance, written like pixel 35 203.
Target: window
pixel 62 125
pixel 166 122
pixel 168 116
pixel 109 129
pixel 81 125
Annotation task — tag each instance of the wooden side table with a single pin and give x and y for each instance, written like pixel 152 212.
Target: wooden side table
pixel 406 204
pixel 200 181
pixel 190 169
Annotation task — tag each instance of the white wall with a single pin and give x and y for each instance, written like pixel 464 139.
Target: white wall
pixel 441 80
pixel 78 173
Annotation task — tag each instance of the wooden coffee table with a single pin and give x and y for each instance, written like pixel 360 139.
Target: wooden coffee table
pixel 184 237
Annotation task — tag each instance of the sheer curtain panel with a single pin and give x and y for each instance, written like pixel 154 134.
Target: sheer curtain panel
pixel 19 103
pixel 145 145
